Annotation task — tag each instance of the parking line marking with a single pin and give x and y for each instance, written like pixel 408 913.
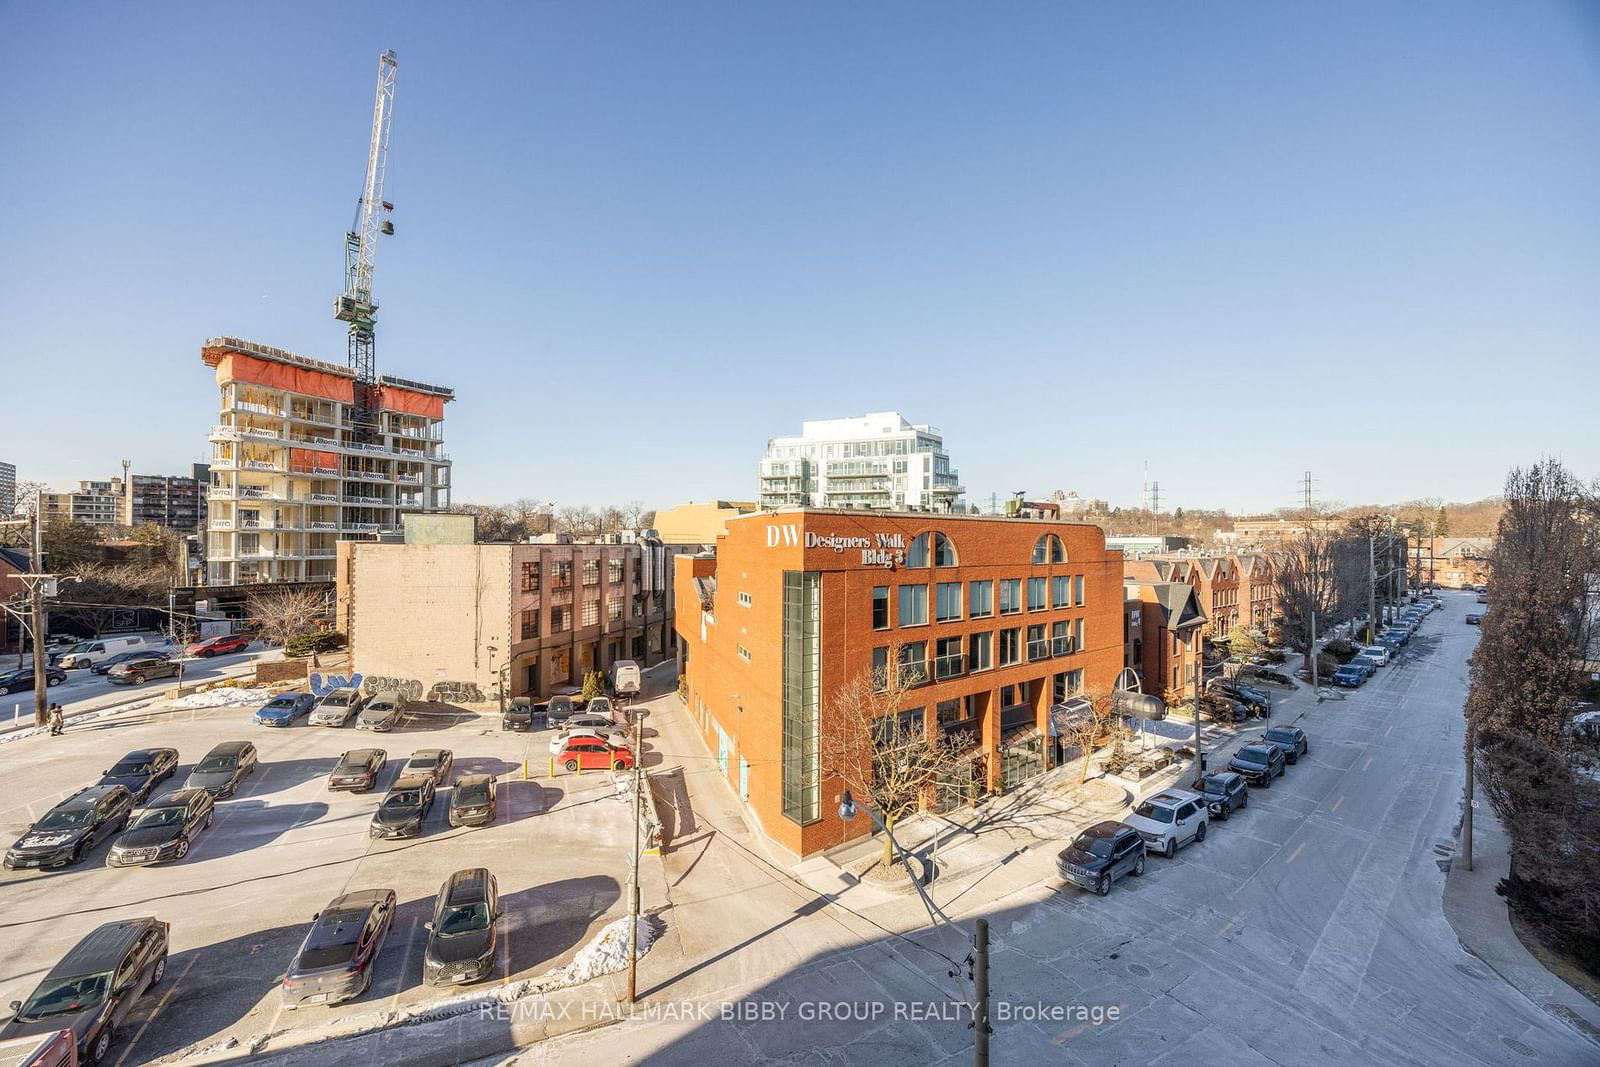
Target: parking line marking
pixel 1367 766
pixel 176 984
pixel 1296 853
pixel 1336 804
pixel 405 964
pixel 1389 731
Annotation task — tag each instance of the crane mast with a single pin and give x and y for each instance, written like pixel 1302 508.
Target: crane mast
pixel 356 304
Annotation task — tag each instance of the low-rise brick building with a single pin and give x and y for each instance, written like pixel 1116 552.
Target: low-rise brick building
pixel 1004 618
pixel 1162 626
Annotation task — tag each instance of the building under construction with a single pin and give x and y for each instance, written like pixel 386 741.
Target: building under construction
pixel 297 464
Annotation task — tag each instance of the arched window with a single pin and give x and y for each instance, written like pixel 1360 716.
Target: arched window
pixel 944 551
pixel 917 555
pixel 1049 549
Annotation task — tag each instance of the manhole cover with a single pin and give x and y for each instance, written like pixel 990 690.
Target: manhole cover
pixel 1470 972
pixel 1139 969
pixel 1518 1047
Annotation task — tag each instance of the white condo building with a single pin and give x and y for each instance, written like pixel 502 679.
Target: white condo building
pixel 877 461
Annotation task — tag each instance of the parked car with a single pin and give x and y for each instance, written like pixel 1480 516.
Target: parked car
pixel 518 716
pixel 1474 619
pixel 625 678
pixel 1225 793
pixel 1170 819
pixel 336 708
pixel 48 1048
pixel 1366 663
pixel 567 733
pixel 223 769
pixel 334 963
pixel 1248 694
pixel 1378 653
pixel 434 763
pixel 1275 677
pixel 142 770
pixel 95 986
pixel 473 801
pixel 1483 598
pixel 1259 764
pixel 381 714
pixel 1399 633
pixel 1100 855
pixel 285 708
pixel 601 707
pixel 164 830
pixel 136 670
pixel 1291 739
pixel 404 808
pixel 588 752
pixel 218 646
pixel 21 679
pixel 461 935
pixel 105 665
pixel 69 831
pixel 358 770
pixel 559 709
pixel 88 653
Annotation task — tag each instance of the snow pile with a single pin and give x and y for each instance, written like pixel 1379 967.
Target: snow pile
pixel 225 698
pixel 606 953
pixel 74 720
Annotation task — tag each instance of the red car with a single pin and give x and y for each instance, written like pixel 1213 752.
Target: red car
pixel 590 753
pixel 1473 620
pixel 218 646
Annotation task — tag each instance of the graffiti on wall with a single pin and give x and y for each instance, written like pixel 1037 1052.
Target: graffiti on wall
pixel 323 686
pixel 408 688
pixel 456 693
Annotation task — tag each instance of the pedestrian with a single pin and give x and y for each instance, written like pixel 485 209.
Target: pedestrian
pixel 55 720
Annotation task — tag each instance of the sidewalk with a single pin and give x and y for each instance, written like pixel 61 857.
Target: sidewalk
pixel 1482 922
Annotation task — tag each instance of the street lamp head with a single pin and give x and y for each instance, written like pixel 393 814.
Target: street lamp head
pixel 847 806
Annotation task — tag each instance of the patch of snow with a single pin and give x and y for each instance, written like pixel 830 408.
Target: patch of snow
pixel 225 698
pixel 75 720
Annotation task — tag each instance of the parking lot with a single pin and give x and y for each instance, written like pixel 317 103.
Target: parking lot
pixel 242 900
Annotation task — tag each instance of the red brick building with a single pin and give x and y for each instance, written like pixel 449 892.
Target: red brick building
pixel 1232 587
pixel 1004 618
pixel 1162 624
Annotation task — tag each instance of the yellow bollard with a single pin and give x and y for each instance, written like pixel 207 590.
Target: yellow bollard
pixel 552 773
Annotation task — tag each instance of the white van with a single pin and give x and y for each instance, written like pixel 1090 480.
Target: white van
pixel 625 677
pixel 87 653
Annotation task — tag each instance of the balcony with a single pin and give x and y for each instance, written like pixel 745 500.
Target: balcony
pixel 364 527
pixel 322 526
pixel 222 524
pixel 263 465
pixel 409 479
pixel 949 666
pixel 240 433
pixel 351 498
pixel 324 498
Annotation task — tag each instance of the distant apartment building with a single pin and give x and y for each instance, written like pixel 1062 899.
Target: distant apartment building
pixel 175 501
pixel 1144 544
pixel 1272 531
pixel 456 622
pixel 93 503
pixel 877 461
pixel 8 489
pixel 291 473
pixel 699 524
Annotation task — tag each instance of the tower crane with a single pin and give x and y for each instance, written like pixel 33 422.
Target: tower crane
pixel 356 304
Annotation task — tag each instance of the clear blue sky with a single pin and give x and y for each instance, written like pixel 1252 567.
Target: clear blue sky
pixel 1239 240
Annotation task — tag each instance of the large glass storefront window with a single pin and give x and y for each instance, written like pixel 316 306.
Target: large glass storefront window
pixel 802 666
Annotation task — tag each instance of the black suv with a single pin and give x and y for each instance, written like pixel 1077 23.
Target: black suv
pixel 1101 854
pixel 1291 739
pixel 559 710
pixel 1259 699
pixel 164 830
pixel 94 987
pixel 71 829
pixel 404 807
pixel 1225 793
pixel 142 770
pixel 1259 764
pixel 358 770
pixel 461 936
pixel 223 769
pixel 472 800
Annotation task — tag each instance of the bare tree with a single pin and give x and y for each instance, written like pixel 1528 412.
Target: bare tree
pixel 285 614
pixel 1306 586
pixel 633 515
pixel 611 519
pixel 887 755
pixel 101 592
pixel 1090 725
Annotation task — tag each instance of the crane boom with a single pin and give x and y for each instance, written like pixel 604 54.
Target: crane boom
pixel 356 304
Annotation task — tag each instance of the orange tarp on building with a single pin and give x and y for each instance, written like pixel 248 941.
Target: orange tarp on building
pixel 412 403
pixel 238 367
pixel 304 459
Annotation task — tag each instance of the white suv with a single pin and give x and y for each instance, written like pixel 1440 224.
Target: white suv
pixel 1170 819
pixel 1377 652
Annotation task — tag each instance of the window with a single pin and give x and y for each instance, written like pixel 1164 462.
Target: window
pixel 947 712
pixel 802 677
pixel 880 668
pixel 1077 590
pixel 1074 684
pixel 1077 637
pixel 1061 591
pixel 530 577
pixel 905 726
pixel 530 623
pixel 1049 549
pixel 614 571
pixel 944 553
pixel 1037 600
pixel 614 607
pixel 591 572
pixel 591 612
pixel 947 658
pixel 560 618
pixel 913 605
pixel 1060 638
pixel 917 555
pixel 1010 596
pixel 561 574
pixel 744 600
pixel 1038 647
pixel 1010 646
pixel 914 661
pixel 880 607
pixel 980 650
pixel 947 601
pixel 744 653
pixel 980 600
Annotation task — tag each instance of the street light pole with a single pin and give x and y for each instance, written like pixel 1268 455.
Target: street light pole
pixel 40 681
pixel 633 894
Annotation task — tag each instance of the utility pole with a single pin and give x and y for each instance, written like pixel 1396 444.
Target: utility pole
pixel 1199 754
pixel 1311 654
pixel 980 980
pixel 1466 805
pixel 40 681
pixel 1372 587
pixel 633 894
